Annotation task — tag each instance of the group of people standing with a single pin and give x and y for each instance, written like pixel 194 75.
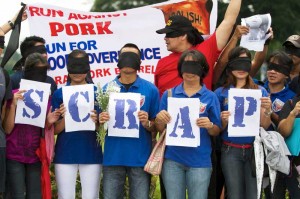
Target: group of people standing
pixel 190 71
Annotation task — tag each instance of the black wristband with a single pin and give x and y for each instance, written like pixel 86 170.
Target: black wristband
pixel 2 42
pixel 11 24
pixel 267 42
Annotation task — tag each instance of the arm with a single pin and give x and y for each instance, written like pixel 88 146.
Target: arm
pixel 212 129
pixel 265 117
pixel 9 121
pixel 59 126
pixel 259 57
pixel 7 26
pixel 285 126
pixel 223 59
pixel 224 30
pixel 162 119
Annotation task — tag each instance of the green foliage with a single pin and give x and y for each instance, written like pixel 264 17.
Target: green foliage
pixel 16 56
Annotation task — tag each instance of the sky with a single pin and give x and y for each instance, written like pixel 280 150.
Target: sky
pixel 9 8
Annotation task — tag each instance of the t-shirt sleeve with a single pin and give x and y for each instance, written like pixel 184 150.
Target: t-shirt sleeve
pixel 286 109
pixel 215 110
pixel 163 101
pixel 154 103
pixel 56 100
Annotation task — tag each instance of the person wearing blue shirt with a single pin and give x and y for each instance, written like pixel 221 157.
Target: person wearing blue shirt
pixel 236 151
pixel 124 156
pixel 279 67
pixel 78 150
pixel 278 71
pixel 188 167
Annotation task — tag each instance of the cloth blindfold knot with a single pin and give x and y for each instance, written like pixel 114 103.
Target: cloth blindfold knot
pixel 240 63
pixel 36 73
pixel 129 59
pixel 78 65
pixel 192 67
pixel 279 68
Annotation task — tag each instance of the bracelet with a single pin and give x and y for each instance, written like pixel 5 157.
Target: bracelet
pixel 267 114
pixel 11 24
pixel 212 126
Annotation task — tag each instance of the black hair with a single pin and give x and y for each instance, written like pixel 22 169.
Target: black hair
pixel 282 58
pixel 35 59
pixel 29 42
pixel 194 37
pixel 131 45
pixel 196 56
pixel 26 44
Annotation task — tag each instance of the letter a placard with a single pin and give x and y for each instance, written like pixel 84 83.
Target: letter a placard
pixel 244 106
pixel 33 108
pixel 79 102
pixel 182 130
pixel 123 109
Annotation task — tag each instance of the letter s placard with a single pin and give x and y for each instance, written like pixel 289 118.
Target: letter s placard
pixel 33 108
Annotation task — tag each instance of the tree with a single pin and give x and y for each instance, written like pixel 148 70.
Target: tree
pixel 109 6
pixel 285 14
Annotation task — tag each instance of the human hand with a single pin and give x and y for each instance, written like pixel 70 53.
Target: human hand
pixel 53 116
pixel 94 116
pixel 296 109
pixel 103 117
pixel 163 117
pixel 18 96
pixel 204 122
pixel 240 30
pixel 143 117
pixel 266 103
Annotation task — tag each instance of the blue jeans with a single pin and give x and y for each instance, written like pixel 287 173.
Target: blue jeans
pixel 177 178
pixel 114 178
pixel 24 180
pixel 236 166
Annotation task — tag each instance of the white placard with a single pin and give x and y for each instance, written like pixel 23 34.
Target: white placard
pixel 33 108
pixel 123 110
pixel 258 27
pixel 79 102
pixel 244 106
pixel 182 130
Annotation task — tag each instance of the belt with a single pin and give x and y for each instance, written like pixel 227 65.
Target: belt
pixel 241 146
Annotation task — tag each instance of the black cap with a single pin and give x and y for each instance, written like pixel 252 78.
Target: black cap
pixel 176 23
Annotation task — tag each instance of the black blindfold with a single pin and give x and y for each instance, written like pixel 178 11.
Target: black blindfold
pixel 279 68
pixel 36 49
pixel 240 63
pixel 192 67
pixel 78 65
pixel 36 73
pixel 129 59
pixel 175 34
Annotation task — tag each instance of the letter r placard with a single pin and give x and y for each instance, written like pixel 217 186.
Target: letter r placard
pixel 123 109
